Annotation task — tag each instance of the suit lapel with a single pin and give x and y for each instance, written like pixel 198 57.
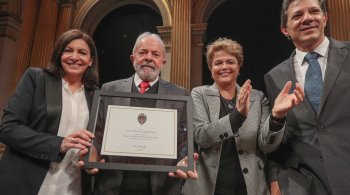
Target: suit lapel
pixel 127 84
pixel 162 90
pixel 126 87
pixel 54 103
pixel 335 62
pixel 89 95
pixel 213 96
pixel 290 76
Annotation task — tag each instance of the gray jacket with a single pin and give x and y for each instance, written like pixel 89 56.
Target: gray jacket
pixel 253 139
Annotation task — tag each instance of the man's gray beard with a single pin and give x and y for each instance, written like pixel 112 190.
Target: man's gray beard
pixel 146 76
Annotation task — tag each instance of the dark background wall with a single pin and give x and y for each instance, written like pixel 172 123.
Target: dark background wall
pixel 255 25
pixel 115 37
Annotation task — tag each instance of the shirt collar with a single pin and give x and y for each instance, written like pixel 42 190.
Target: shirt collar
pixel 65 86
pixel 138 80
pixel 322 50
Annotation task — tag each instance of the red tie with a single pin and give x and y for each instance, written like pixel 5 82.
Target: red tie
pixel 143 86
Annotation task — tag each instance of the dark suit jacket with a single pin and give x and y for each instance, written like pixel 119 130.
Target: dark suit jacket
pixel 109 181
pixel 315 154
pixel 29 129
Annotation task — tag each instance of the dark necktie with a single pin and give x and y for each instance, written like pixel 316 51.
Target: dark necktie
pixel 313 80
pixel 143 86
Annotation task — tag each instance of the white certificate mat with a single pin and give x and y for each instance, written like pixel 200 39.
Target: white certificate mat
pixel 140 132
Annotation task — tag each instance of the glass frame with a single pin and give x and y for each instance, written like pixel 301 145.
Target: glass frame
pixel 142 167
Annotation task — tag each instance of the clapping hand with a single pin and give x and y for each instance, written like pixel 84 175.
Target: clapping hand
pixel 285 101
pixel 243 98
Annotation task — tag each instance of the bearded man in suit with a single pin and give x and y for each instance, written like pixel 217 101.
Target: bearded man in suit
pixel 148 58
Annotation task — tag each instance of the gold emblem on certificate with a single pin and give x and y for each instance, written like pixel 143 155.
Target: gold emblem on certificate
pixel 142 118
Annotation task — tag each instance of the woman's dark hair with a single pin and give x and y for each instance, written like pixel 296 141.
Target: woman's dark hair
pixel 54 68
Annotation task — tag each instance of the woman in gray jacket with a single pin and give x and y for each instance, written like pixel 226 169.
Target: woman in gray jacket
pixel 233 128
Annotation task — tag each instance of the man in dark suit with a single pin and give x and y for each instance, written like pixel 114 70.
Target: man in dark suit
pixel 314 156
pixel 148 58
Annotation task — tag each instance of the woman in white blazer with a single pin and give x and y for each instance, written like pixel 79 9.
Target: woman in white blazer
pixel 233 128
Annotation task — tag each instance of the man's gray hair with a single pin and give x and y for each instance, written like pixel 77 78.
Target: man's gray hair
pixel 148 34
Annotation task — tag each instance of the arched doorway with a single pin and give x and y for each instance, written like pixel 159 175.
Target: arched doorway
pixel 256 28
pixel 115 36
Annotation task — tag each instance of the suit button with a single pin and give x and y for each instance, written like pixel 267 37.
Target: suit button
pixel 226 134
pixel 321 127
pixel 240 152
pixel 321 158
pixel 221 136
pixel 245 170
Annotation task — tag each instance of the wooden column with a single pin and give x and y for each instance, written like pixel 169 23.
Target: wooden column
pixel 10 12
pixel 197 53
pixel 44 33
pixel 25 43
pixel 66 16
pixel 181 43
pixel 165 33
pixel 339 19
pixel 10 18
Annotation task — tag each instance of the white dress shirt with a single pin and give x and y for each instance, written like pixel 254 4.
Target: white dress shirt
pixel 138 80
pixel 301 66
pixel 63 177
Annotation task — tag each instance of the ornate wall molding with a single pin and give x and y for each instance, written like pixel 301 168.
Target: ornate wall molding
pixel 199 10
pixel 10 18
pixel 197 38
pixel 11 8
pixel 165 34
pixel 165 7
pixel 66 2
pixel 9 27
pixel 92 12
pixel 198 31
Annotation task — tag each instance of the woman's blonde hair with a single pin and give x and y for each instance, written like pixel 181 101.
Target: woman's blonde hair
pixel 227 45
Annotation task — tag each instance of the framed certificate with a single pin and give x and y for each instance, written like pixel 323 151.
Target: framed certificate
pixel 141 132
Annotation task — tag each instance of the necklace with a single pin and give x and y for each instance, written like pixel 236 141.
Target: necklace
pixel 230 104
